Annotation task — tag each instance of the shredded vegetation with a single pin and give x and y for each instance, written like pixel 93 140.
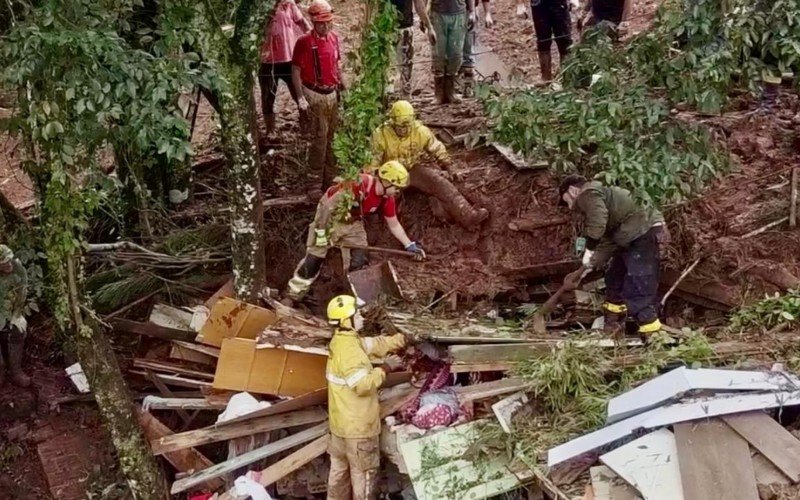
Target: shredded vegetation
pixel 769 312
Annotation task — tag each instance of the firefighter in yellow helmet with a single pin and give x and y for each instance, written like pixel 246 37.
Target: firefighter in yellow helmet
pixel 337 224
pixel 405 139
pixel 353 408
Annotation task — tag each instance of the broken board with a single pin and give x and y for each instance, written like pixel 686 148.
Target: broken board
pixel 649 464
pixel 769 437
pixel 678 382
pixel 243 366
pixel 370 283
pixel 231 318
pixel 452 474
pixel 714 462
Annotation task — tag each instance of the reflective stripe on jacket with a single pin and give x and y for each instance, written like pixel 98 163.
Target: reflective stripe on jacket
pixel 353 408
pixel 407 150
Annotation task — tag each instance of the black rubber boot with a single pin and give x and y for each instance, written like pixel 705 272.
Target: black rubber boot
pixel 546 65
pixel 450 90
pixel 15 349
pixel 438 90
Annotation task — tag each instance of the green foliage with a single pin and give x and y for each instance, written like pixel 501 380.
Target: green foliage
pixel 363 103
pixel 84 82
pixel 769 312
pixel 608 126
pixel 572 386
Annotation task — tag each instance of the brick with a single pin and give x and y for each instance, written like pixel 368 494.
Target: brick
pixel 65 461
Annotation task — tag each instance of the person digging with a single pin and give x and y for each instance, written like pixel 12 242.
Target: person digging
pixel 339 221
pixel 353 407
pixel 13 294
pixel 627 237
pixel 405 139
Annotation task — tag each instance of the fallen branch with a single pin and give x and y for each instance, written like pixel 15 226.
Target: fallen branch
pixel 765 228
pixel 684 274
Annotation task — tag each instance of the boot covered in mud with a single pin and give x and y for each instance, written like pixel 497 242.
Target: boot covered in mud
pixel 468 81
pixel 269 121
pixel 450 90
pixel 614 316
pixel 438 90
pixel 546 65
pixel 15 348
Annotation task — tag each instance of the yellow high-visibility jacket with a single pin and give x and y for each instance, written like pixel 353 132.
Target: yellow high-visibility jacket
pixel 353 383
pixel 407 150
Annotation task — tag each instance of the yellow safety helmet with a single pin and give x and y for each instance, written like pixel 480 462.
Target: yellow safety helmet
pixel 341 307
pixel 402 112
pixel 394 173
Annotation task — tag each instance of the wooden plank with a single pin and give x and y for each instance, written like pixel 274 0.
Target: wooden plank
pixel 649 464
pixel 714 462
pixel 771 439
pixel 212 434
pixel 169 368
pixel 314 398
pixel 185 461
pixel 766 472
pixel 167 393
pixel 204 349
pixel 480 367
pixel 288 464
pixel 151 330
pixel 184 354
pixel 248 458
pixel 178 403
pixel 606 485
pixel 491 389
pixel 176 380
pixel 497 353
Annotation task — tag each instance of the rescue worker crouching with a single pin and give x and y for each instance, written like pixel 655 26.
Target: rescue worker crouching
pixel 405 139
pixel 626 236
pixel 339 221
pixel 353 407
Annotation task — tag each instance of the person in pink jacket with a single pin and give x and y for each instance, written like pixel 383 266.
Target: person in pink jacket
pixel 276 55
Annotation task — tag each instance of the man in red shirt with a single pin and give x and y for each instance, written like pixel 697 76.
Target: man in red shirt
pixel 317 79
pixel 339 221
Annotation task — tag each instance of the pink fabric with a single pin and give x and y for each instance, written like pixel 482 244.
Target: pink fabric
pixel 282 33
pixel 438 378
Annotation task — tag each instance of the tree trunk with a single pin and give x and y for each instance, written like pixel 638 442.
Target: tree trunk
pixel 144 475
pixel 240 145
pixel 244 181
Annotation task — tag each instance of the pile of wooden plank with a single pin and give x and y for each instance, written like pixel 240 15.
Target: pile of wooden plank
pixel 692 435
pixel 278 355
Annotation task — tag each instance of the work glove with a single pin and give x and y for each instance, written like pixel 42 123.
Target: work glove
pixel 321 238
pixel 302 103
pixel 392 363
pixel 416 249
pixel 587 258
pixel 487 20
pixel 20 323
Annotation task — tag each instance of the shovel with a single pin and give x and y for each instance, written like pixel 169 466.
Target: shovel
pixel 539 326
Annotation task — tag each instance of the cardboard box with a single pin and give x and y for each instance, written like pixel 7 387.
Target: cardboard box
pixel 276 371
pixel 231 318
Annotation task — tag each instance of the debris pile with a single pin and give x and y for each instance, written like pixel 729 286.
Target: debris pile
pixel 692 434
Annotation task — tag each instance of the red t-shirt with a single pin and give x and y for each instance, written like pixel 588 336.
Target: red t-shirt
pixel 328 50
pixel 367 200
